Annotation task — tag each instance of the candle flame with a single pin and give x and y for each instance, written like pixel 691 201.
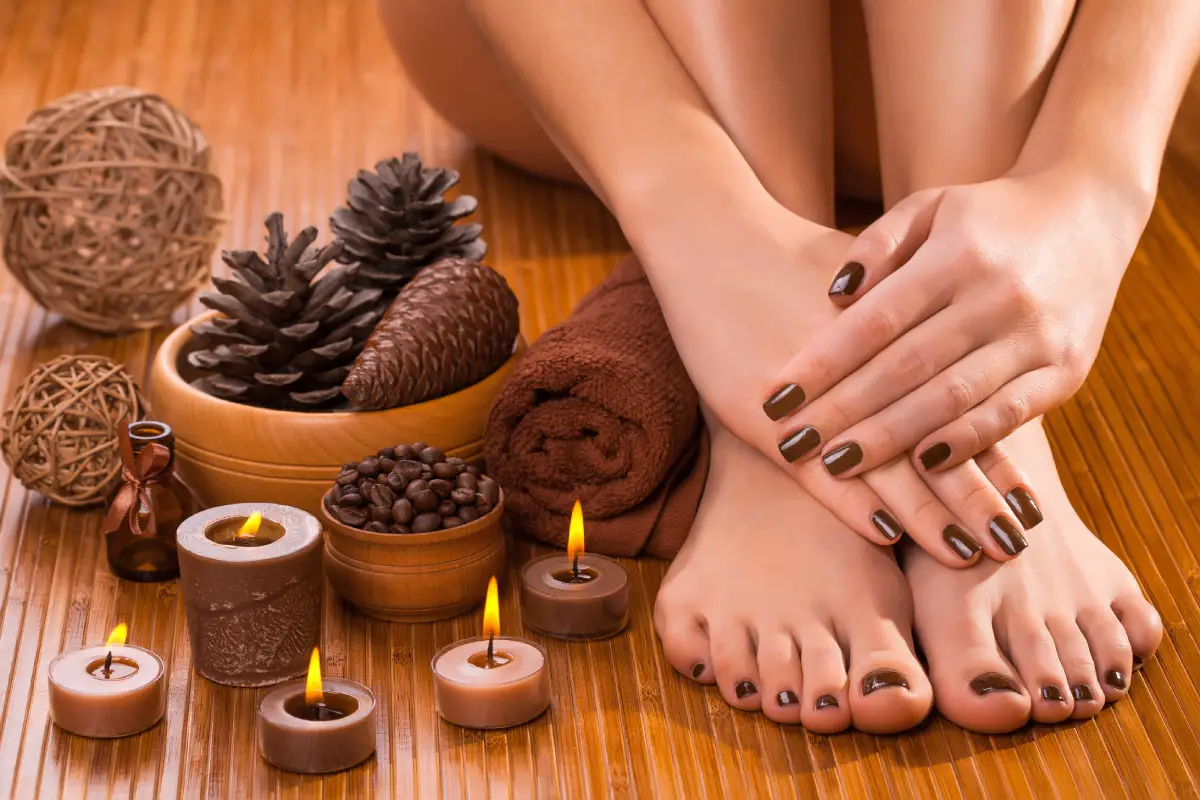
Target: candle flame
pixel 575 537
pixel 250 526
pixel 314 692
pixel 118 635
pixel 491 610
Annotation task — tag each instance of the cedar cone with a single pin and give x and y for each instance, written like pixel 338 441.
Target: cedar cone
pixel 285 340
pixel 397 221
pixel 453 325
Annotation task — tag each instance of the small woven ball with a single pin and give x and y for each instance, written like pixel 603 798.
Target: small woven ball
pixel 108 208
pixel 59 435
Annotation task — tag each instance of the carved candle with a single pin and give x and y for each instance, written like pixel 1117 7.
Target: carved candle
pixel 252 579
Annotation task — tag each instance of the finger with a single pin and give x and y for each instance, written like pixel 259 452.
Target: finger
pixel 1003 473
pixel 855 504
pixel 1012 405
pixel 945 398
pixel 902 367
pixel 923 516
pixel 969 495
pixel 885 245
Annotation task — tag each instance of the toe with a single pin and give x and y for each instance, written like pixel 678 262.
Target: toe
pixel 1031 650
pixel 735 665
pixel 779 667
pixel 1142 624
pixel 825 702
pixel 1076 658
pixel 888 689
pixel 1110 648
pixel 684 642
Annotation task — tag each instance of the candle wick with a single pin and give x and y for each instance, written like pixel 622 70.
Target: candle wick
pixel 108 665
pixel 575 568
pixel 491 659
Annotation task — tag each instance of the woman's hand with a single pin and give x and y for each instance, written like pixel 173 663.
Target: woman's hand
pixel 975 309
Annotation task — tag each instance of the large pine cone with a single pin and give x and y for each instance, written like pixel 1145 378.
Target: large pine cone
pixel 397 221
pixel 451 326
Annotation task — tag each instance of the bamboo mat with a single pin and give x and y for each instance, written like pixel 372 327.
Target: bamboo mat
pixel 295 96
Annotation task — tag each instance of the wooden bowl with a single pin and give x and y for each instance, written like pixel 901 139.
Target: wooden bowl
pixel 234 453
pixel 414 577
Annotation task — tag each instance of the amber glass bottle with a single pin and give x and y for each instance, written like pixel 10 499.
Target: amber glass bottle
pixel 143 558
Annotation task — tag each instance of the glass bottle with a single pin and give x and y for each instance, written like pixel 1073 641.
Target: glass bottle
pixel 143 558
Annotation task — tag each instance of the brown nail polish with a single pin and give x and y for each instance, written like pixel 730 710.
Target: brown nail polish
pixel 882 679
pixel 785 400
pixel 1024 506
pixel 934 455
pixel 1007 536
pixel 1054 694
pixel 960 542
pixel 886 524
pixel 745 689
pixel 697 670
pixel 1082 693
pixel 847 280
pixel 1138 661
pixel 826 701
pixel 800 443
pixel 994 682
pixel 843 458
pixel 1115 678
pixel 787 698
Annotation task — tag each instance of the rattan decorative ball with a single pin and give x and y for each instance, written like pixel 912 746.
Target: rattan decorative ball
pixel 109 208
pixel 59 435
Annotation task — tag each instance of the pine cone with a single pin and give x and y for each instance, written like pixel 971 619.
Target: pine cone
pixel 285 340
pixel 451 326
pixel 398 221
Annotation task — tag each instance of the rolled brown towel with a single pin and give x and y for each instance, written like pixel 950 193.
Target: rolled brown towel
pixel 601 409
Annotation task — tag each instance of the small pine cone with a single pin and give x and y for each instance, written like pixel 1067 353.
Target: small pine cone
pixel 451 326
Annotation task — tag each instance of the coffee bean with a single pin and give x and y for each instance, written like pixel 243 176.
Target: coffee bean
pixel 351 499
pixel 375 527
pixel 416 487
pixel 347 477
pixel 387 464
pixel 427 472
pixel 463 497
pixel 425 500
pixel 353 517
pixel 364 486
pixel 330 498
pixel 386 452
pixel 490 490
pixel 411 470
pixel 418 447
pixel 447 508
pixel 402 511
pixel 403 451
pixel 426 523
pixel 381 514
pixel 369 466
pixel 400 529
pixel 483 506
pixel 382 496
pixel 432 455
pixel 443 488
pixel 466 481
pixel 456 462
pixel 474 471
pixel 451 522
pixel 396 482
pixel 468 513
pixel 445 471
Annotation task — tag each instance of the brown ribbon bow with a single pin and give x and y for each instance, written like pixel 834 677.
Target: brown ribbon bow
pixel 136 475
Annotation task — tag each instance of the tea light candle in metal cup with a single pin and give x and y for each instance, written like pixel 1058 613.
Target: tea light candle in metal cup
pixel 252 579
pixel 488 681
pixel 317 725
pixel 577 595
pixel 107 690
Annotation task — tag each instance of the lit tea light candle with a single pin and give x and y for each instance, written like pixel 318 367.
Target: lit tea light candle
pixel 317 724
pixel 490 682
pixel 252 576
pixel 108 690
pixel 576 596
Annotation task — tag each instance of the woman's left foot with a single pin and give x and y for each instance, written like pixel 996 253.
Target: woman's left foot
pixel 1052 635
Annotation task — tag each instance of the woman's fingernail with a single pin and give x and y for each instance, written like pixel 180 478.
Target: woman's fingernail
pixel 1007 536
pixel 1115 678
pixel 697 670
pixel 1082 693
pixel 1024 506
pixel 994 682
pixel 787 698
pixel 1054 694
pixel 882 679
pixel 826 701
pixel 745 689
pixel 934 455
pixel 848 456
pixel 886 524
pixel 847 280
pixel 785 400
pixel 800 443
pixel 960 542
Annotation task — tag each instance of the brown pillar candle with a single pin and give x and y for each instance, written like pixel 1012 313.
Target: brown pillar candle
pixel 107 690
pixel 317 725
pixel 577 595
pixel 252 579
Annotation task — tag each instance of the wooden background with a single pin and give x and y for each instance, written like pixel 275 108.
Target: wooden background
pixel 297 95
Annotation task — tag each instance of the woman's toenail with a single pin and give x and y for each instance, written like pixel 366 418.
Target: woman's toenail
pixel 934 455
pixel 745 689
pixel 960 542
pixel 1007 536
pixel 886 524
pixel 1053 693
pixel 1138 661
pixel 787 698
pixel 826 701
pixel 1024 506
pixel 848 456
pixel 697 670
pixel 883 679
pixel 785 400
pixel 800 443
pixel 1082 693
pixel 1115 678
pixel 994 682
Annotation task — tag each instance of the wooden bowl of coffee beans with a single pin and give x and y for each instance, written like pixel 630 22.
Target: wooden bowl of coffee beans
pixel 411 535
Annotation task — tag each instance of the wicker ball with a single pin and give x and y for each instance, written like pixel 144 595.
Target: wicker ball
pixel 59 435
pixel 108 208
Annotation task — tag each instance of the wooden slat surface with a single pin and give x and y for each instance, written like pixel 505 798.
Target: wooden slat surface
pixel 297 95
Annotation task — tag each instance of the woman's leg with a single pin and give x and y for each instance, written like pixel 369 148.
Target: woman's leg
pixel 1055 632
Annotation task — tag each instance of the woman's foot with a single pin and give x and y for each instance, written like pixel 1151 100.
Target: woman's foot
pixel 1051 635
pixel 785 609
